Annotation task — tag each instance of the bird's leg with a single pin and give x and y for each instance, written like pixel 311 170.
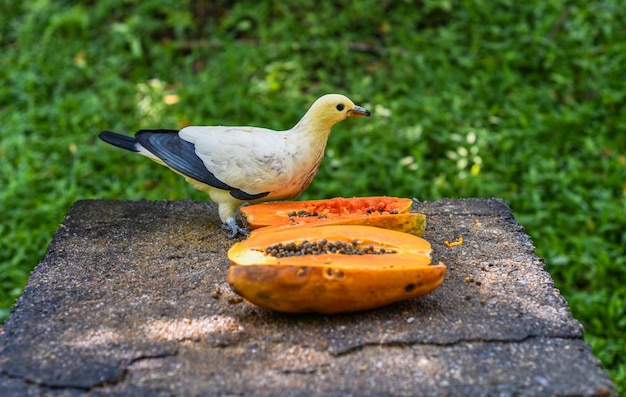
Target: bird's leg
pixel 234 229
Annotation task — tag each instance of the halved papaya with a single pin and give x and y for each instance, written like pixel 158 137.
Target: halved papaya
pixel 380 211
pixel 412 223
pixel 332 269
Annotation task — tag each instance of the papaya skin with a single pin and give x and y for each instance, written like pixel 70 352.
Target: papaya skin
pixel 331 282
pixel 328 290
pixel 279 213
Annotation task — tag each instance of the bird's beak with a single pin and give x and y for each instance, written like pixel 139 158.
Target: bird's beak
pixel 359 111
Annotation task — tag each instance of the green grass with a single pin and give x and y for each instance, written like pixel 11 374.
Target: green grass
pixel 518 100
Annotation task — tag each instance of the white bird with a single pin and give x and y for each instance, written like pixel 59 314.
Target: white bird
pixel 235 165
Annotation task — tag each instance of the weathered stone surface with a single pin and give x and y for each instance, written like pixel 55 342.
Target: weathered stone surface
pixel 131 299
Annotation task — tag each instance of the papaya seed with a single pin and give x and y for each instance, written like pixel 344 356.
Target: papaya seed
pixel 322 247
pixel 303 214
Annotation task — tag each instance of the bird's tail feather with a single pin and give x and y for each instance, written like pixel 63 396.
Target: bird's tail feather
pixel 121 141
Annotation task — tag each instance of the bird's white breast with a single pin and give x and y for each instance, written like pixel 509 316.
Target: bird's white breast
pixel 258 160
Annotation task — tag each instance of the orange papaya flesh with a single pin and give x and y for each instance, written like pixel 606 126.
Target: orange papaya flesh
pixel 387 266
pixel 412 223
pixel 309 211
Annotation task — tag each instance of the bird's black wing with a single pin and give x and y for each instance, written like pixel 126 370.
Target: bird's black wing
pixel 181 156
pixel 241 195
pixel 121 141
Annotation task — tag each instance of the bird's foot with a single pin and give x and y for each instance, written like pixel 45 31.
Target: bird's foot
pixel 234 229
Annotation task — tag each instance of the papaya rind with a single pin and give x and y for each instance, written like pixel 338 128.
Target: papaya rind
pixel 330 290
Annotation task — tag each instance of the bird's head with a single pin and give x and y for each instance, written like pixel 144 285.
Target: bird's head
pixel 332 108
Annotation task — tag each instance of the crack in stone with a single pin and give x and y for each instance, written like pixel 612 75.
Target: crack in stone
pixel 125 370
pixel 398 343
pixel 119 377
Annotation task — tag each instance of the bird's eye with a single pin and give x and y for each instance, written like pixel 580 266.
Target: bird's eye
pixel 340 107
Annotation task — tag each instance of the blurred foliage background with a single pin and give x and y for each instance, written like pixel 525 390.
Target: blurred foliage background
pixel 518 100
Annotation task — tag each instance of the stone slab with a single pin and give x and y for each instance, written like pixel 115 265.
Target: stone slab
pixel 131 299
